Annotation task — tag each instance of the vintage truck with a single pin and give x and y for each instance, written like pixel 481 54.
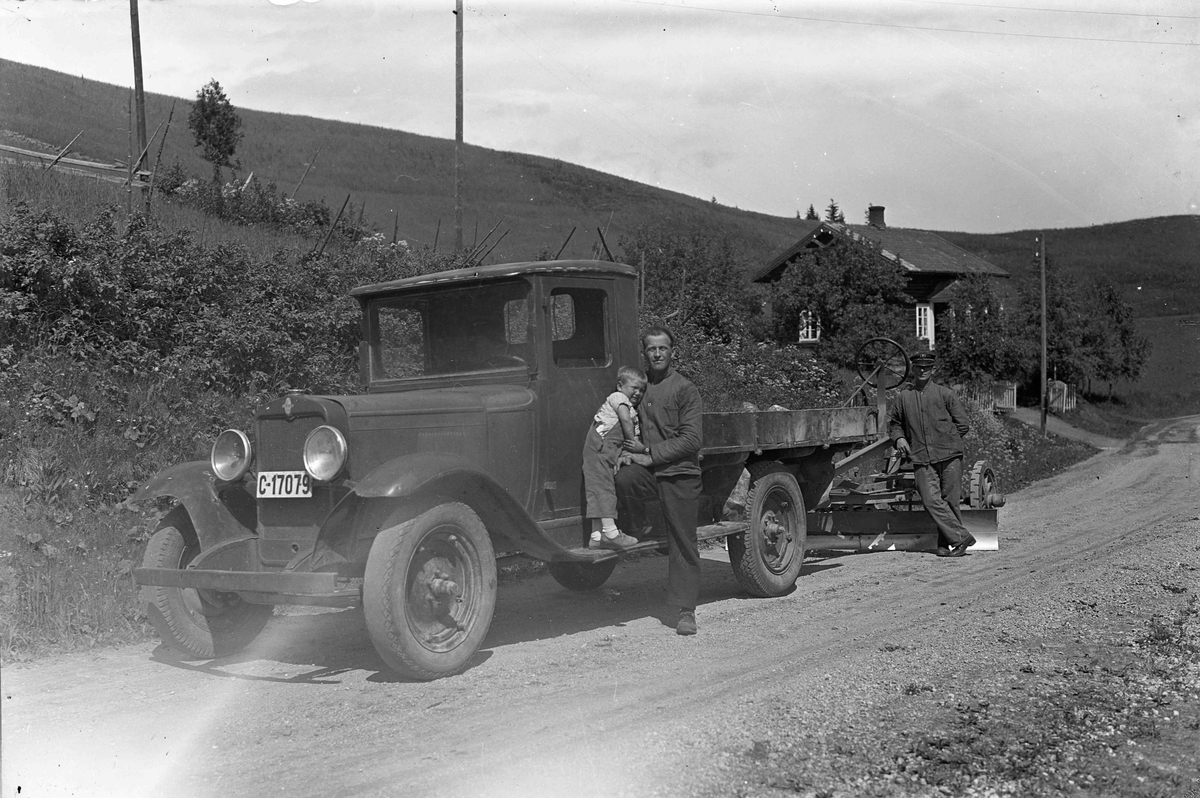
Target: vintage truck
pixel 465 444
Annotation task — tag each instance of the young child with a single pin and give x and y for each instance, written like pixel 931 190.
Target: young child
pixel 614 429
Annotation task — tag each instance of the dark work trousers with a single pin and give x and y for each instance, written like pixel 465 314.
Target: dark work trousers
pixel 940 485
pixel 679 499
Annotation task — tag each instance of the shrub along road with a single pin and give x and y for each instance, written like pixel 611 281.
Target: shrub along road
pixel 1065 663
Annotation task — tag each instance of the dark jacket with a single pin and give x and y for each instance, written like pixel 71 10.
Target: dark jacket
pixel 672 419
pixel 932 420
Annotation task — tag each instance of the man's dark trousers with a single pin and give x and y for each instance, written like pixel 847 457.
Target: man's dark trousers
pixel 679 499
pixel 940 485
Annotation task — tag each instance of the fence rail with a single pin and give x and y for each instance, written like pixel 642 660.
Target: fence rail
pixel 104 169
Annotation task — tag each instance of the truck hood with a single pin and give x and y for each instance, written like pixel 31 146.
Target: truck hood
pixel 464 399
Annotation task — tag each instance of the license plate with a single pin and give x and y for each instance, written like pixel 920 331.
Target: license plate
pixel 284 485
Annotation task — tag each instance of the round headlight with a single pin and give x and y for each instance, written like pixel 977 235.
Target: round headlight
pixel 231 455
pixel 324 453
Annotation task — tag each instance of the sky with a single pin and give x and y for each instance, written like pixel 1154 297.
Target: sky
pixel 970 116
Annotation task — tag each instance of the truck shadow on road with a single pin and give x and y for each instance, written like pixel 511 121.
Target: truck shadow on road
pixel 314 646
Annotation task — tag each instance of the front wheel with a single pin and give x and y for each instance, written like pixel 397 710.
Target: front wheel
pixel 200 623
pixel 766 559
pixel 430 590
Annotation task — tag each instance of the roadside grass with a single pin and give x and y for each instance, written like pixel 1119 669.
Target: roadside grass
pixel 66 577
pixel 1114 713
pixel 1115 716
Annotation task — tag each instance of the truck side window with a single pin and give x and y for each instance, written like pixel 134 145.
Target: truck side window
pixel 579 327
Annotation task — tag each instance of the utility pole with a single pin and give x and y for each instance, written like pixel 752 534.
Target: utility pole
pixel 139 94
pixel 458 124
pixel 1045 393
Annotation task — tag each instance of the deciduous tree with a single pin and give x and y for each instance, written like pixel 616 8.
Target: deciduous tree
pixel 216 127
pixel 981 340
pixel 695 277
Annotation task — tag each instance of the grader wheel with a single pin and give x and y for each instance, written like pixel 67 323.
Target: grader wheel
pixel 983 493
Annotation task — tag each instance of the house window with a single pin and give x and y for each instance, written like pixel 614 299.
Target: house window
pixel 810 330
pixel 925 323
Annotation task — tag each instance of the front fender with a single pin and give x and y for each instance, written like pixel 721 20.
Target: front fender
pixel 420 476
pixel 219 511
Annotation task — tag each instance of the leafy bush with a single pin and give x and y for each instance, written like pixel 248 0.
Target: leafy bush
pixel 252 203
pixel 737 370
pixel 126 351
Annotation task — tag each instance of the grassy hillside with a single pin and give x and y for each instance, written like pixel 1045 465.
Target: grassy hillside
pixel 402 178
pixel 407 180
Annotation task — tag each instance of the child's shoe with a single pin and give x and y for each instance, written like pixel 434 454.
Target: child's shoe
pixel 618 542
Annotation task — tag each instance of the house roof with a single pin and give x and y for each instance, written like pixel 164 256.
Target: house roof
pixel 915 250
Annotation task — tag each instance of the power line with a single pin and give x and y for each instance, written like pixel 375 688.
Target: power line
pixel 1052 10
pixel 780 15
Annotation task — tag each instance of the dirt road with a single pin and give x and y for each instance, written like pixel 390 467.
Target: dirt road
pixel 592 695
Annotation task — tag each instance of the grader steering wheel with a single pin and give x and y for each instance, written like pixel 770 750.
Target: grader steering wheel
pixel 882 363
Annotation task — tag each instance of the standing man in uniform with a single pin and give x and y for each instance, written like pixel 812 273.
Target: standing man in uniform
pixel 671 418
pixel 927 423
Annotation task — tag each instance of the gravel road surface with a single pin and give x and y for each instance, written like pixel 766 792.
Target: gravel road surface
pixel 881 674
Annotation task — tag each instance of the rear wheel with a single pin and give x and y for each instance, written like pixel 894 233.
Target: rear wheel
pixel 430 590
pixel 200 623
pixel 582 576
pixel 766 559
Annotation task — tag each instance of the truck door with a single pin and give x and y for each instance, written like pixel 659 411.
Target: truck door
pixel 580 370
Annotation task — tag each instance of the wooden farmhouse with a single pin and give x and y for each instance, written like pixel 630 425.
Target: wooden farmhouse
pixel 931 263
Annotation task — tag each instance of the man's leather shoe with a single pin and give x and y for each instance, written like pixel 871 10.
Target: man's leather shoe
pixel 961 548
pixel 942 551
pixel 686 625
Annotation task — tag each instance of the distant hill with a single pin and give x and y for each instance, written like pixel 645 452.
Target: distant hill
pixel 407 180
pixel 1155 262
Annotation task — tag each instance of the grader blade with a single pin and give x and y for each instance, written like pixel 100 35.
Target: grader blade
pixel 881 530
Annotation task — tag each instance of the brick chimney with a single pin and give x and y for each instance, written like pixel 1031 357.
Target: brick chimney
pixel 875 216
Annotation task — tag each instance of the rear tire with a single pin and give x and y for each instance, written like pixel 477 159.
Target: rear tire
pixel 202 624
pixel 582 576
pixel 767 558
pixel 430 590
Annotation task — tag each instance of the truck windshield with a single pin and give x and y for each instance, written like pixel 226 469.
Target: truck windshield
pixel 451 331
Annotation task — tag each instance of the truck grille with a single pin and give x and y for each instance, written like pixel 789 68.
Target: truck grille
pixel 288 526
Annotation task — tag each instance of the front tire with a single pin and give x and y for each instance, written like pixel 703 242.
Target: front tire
pixel 201 624
pixel 766 559
pixel 430 590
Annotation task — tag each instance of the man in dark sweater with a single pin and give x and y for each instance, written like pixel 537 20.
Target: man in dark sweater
pixel 926 422
pixel 671 419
